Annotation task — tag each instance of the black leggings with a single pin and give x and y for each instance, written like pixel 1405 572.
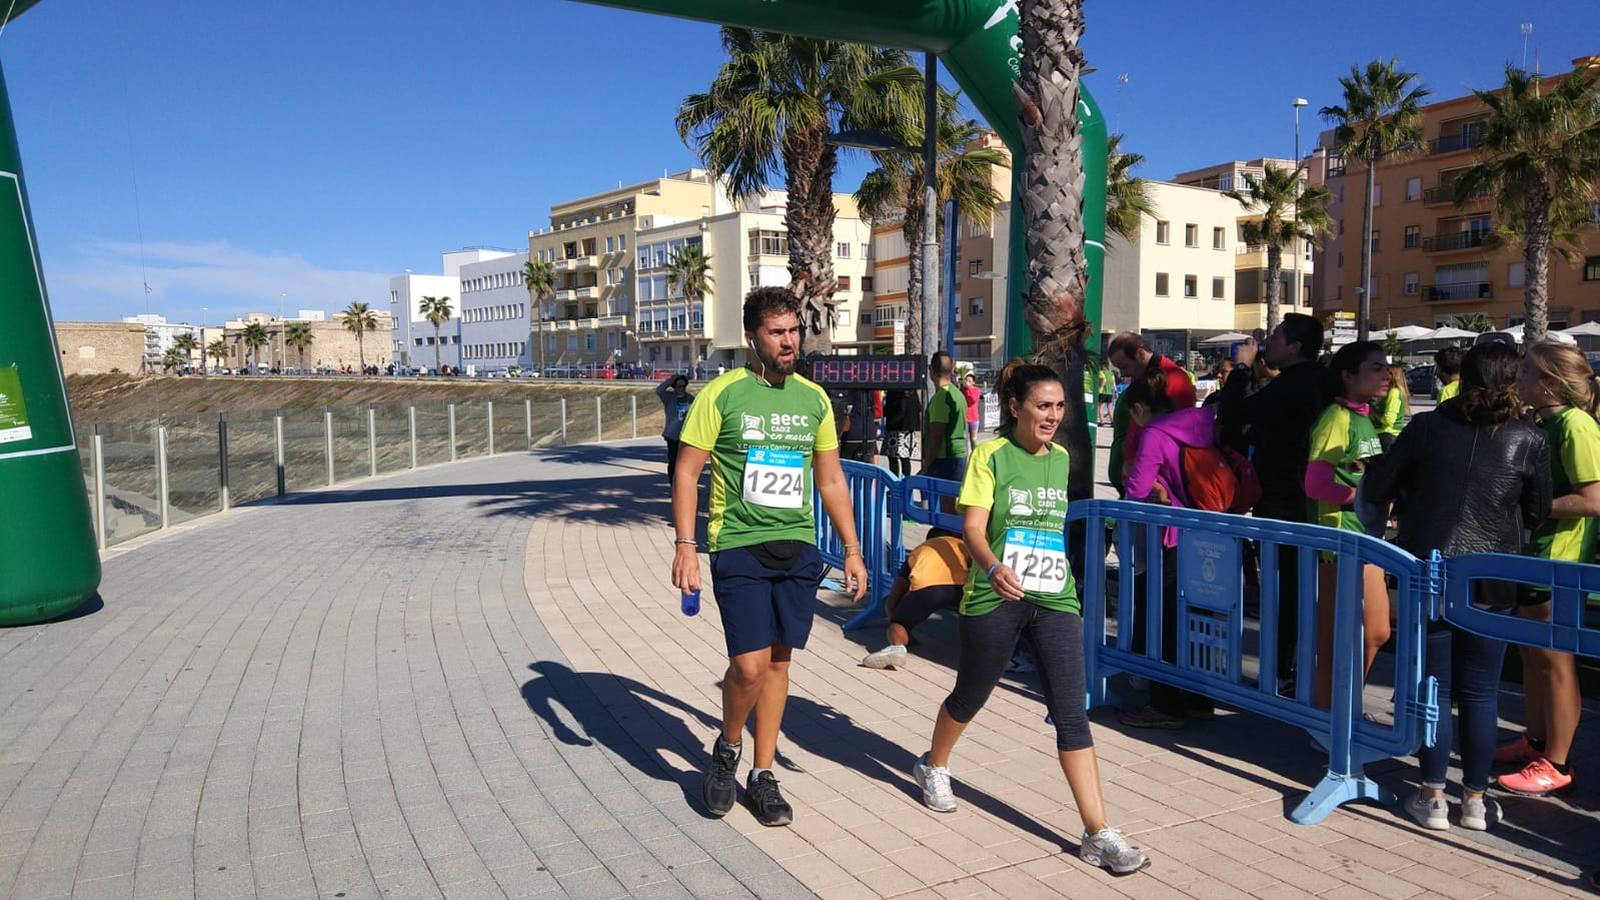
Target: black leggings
pixel 987 642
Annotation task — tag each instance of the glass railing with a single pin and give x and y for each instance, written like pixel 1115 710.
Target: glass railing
pixel 145 476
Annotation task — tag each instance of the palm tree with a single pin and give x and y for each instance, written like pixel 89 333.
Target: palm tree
pixel 1539 157
pixel 359 318
pixel 1290 211
pixel 299 336
pixel 689 271
pixel 540 277
pixel 254 338
pixel 772 106
pixel 186 343
pixel 1381 117
pixel 218 351
pixel 962 174
pixel 1047 91
pixel 437 311
pixel 1128 198
pixel 173 358
pixel 1478 322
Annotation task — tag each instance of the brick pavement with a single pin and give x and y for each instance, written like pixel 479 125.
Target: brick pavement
pixel 473 680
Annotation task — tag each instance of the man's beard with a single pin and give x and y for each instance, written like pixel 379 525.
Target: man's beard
pixel 772 366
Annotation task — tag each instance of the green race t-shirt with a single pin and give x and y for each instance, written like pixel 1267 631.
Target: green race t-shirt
pixel 1448 391
pixel 1026 496
pixel 761 439
pixel 1346 440
pixel 1392 413
pixel 1574 459
pixel 948 408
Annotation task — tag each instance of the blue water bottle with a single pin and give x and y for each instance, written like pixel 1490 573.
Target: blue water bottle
pixel 691 603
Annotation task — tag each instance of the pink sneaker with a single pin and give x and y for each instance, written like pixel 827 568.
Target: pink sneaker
pixel 1537 779
pixel 1517 753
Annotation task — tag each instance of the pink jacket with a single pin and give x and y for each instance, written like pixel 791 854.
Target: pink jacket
pixel 1158 456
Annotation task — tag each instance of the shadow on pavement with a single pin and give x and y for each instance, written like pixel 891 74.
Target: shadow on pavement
pixel 602 500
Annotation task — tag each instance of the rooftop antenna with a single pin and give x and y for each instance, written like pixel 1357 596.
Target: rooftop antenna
pixel 1122 81
pixel 1527 29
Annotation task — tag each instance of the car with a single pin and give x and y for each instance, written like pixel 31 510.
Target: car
pixel 1420 381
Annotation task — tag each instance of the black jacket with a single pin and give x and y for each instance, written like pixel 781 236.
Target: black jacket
pixel 1276 423
pixel 1463 488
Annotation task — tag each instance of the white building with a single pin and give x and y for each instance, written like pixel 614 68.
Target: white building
pixel 415 340
pixel 495 319
pixel 159 335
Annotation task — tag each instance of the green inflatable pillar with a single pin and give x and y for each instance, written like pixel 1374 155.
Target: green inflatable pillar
pixel 48 561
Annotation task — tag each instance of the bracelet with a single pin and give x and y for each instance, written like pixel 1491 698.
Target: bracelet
pixel 990 574
pixel 852 550
pixel 690 541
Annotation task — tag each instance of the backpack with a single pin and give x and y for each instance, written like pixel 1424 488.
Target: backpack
pixel 1220 479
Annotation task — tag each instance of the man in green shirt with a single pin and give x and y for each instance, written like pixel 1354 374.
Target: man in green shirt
pixel 944 445
pixel 768 434
pixel 1447 368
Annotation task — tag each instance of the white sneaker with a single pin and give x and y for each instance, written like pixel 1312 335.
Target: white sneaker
pixel 1478 813
pixel 1432 814
pixel 1108 849
pixel 935 781
pixel 890 657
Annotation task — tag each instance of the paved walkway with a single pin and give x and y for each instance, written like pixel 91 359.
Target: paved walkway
pixel 473 680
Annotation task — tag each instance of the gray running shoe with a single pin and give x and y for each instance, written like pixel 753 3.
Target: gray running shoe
pixel 1109 850
pixel 722 787
pixel 890 657
pixel 1433 814
pixel 1478 813
pixel 766 801
pixel 935 781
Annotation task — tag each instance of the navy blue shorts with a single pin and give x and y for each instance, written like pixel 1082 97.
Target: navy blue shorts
pixel 762 606
pixel 949 468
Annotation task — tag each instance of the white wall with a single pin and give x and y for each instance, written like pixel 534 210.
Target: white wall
pixel 496 318
pixel 405 298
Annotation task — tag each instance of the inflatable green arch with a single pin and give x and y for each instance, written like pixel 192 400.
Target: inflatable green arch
pixel 48 560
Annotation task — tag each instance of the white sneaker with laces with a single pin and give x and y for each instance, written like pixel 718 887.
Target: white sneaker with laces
pixel 890 657
pixel 935 781
pixel 1478 813
pixel 1109 850
pixel 1432 814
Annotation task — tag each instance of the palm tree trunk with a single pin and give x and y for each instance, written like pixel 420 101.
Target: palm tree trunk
pixel 1364 295
pixel 538 318
pixel 361 352
pixel 1052 199
pixel 438 365
pixel 1536 260
pixel 1274 286
pixel 912 230
pixel 809 161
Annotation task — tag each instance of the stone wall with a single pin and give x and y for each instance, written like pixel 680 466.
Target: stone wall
pixel 98 348
pixel 332 346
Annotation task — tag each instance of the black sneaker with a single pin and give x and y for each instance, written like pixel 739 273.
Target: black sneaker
pixel 766 802
pixel 722 787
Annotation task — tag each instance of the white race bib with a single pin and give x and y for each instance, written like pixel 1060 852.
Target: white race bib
pixel 1038 557
pixel 774 478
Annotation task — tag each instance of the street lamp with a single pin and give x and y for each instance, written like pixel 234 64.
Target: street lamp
pixel 1298 250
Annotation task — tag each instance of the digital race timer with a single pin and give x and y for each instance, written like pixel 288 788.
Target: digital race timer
pixel 887 373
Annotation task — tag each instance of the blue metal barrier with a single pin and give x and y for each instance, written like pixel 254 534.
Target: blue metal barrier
pixel 875 498
pixel 1210 658
pixel 1569 584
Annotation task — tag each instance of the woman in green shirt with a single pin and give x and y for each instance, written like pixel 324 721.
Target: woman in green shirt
pixel 1392 412
pixel 1014 503
pixel 1558 384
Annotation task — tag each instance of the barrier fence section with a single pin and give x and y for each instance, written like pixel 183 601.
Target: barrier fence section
pixel 880 523
pixel 1569 584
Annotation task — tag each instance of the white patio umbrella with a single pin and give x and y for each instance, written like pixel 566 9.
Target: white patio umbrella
pixel 1224 339
pixel 1587 329
pixel 1559 336
pixel 1404 332
pixel 1446 333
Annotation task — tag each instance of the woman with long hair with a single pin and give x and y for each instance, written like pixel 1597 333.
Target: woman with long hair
pixel 1557 383
pixel 1473 477
pixel 1389 418
pixel 1014 505
pixel 1343 441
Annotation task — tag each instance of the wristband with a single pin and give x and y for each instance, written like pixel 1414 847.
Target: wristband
pixel 990 574
pixel 690 541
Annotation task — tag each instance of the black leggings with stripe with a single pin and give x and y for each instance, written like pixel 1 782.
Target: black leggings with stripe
pixel 987 642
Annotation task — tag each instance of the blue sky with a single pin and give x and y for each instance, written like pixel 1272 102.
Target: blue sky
pixel 306 158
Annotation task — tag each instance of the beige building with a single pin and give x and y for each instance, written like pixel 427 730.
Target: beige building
pixel 1180 273
pixel 333 346
pixel 747 243
pixel 101 348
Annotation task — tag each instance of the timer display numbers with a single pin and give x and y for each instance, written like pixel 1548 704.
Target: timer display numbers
pixel 868 372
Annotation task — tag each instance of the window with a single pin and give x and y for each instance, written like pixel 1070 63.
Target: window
pixel 622 243
pixel 1341 226
pixel 1414 188
pixel 589 341
pixel 844 318
pixel 976 305
pixel 1341 259
pixel 1161 284
pixel 1413 236
pixel 572 342
pixel 841 250
pixel 1376 236
pixel 1219 238
pixel 1191 235
pixel 611 243
pixel 769 243
pixel 1191 286
pixel 1411 284
pixel 843 282
pixel 1377 193
pixel 974 266
pixel 1516 274
pixel 866 251
pixel 866 282
pixel 1218 287
pixel 1591 268
pixel 669 354
pixel 1162 236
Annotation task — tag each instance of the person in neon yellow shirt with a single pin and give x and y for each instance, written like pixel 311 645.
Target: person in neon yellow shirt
pixel 768 434
pixel 1558 384
pixel 1393 410
pixel 1447 368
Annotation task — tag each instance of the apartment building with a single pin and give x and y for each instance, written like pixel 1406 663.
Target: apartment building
pixel 590 320
pixel 159 335
pixel 414 339
pixel 1180 274
pixel 495 316
pixel 1429 259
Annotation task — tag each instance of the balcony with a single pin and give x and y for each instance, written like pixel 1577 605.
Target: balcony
pixel 1461 240
pixel 589 323
pixel 577 262
pixel 1467 290
pixel 1455 143
pixel 566 294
